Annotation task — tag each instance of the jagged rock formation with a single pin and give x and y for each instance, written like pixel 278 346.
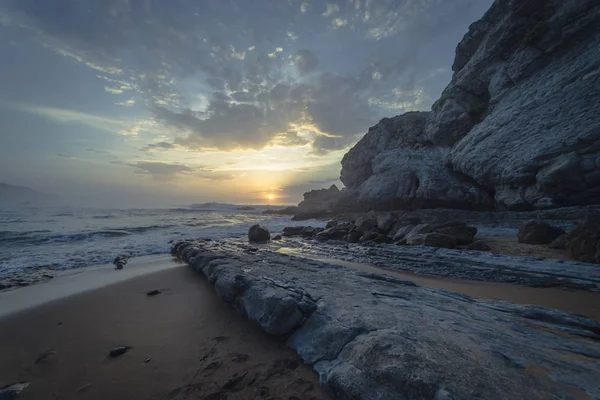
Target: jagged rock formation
pixel 318 203
pixel 371 336
pixel 518 127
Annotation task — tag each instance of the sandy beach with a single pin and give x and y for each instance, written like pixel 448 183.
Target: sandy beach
pixel 185 344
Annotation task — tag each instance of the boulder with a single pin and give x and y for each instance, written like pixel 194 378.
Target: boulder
pixel 331 224
pixel 402 232
pixel 386 222
pixel 354 236
pixel 538 232
pixel 335 233
pixel 584 241
pixel 258 234
pixel 560 243
pixel 433 239
pixel 368 236
pixel 365 223
pixel 277 237
pixel 479 245
pixel 309 231
pixel 420 229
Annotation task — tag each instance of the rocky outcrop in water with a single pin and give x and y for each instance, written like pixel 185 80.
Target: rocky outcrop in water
pixel 518 127
pixel 371 336
pixel 318 203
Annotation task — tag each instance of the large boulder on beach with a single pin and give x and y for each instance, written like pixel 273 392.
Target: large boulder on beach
pixel 538 232
pixel 516 128
pixel 258 234
pixel 584 241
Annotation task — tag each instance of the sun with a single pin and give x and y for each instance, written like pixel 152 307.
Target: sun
pixel 271 196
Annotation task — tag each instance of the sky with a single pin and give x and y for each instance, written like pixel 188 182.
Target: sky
pixel 149 102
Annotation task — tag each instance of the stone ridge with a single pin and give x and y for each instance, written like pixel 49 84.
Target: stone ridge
pixel 374 337
pixel 517 128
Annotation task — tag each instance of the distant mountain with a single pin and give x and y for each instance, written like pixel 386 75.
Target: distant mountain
pixel 20 195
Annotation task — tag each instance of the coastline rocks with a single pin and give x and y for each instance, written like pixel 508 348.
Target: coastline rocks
pixel 277 238
pixel 459 231
pixel 584 241
pixel 515 129
pixel 258 234
pixel 538 232
pixel 372 336
pixel 318 204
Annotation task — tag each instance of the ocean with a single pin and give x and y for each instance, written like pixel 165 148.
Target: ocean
pixel 62 238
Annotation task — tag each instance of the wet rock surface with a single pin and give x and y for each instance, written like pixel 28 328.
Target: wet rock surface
pixel 371 336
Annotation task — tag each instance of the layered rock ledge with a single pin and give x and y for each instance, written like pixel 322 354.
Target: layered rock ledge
pixel 370 336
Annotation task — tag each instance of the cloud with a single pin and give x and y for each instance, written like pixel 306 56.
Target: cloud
pixel 215 74
pixel 331 9
pixel 160 170
pixel 159 146
pixel 68 116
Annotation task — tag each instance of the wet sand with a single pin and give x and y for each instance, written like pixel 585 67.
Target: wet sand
pixel 574 301
pixel 186 344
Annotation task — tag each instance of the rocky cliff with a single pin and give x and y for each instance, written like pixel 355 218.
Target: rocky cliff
pixel 518 127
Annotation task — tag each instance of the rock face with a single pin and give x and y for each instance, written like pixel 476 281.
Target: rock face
pixel 318 203
pixel 258 234
pixel 517 127
pixel 441 345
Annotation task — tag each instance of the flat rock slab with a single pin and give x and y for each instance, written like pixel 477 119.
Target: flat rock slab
pixel 459 264
pixel 370 336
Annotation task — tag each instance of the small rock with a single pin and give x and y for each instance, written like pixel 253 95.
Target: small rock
pixel 147 360
pixel 277 237
pixel 258 234
pixel 479 245
pixel 119 351
pixel 153 292
pixel 560 243
pixel 538 232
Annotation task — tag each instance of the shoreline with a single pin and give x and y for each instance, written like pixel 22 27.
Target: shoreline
pixel 185 342
pixel 77 281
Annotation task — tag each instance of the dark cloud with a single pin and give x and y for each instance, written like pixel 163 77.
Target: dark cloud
pixel 159 146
